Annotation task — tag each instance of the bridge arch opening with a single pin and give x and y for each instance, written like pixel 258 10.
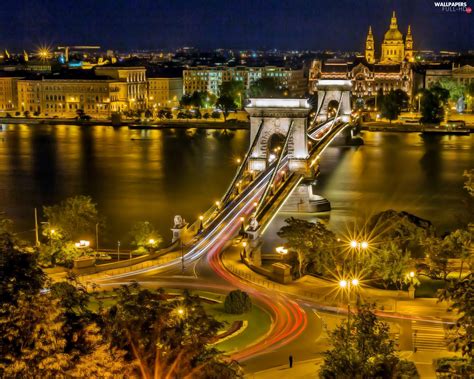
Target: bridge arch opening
pixel 275 143
pixel 333 105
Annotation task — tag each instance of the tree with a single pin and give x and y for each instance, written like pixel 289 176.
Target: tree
pixel 455 89
pixel 438 253
pixel 392 104
pixel 31 338
pixel 460 294
pixel 313 243
pixel 362 348
pixel 432 104
pixel 166 338
pixel 234 89
pixel 144 235
pixel 266 87
pixel 237 302
pixel 19 270
pixel 392 264
pixel 100 360
pixel 402 228
pixel 74 218
pixel 459 243
pixel 469 184
pixel 226 104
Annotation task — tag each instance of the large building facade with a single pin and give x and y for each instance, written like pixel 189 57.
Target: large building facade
pixel 97 92
pixel 209 79
pixel 369 74
pixel 164 92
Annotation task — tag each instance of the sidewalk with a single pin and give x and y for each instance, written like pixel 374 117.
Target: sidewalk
pixel 300 370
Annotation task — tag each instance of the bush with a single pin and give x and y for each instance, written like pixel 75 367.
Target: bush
pixel 237 302
pixel 406 370
pixel 454 366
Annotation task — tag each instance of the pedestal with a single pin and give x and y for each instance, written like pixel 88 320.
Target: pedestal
pixel 411 291
pixel 178 232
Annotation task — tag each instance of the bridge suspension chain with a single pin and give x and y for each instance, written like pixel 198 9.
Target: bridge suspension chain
pixel 275 170
pixel 242 165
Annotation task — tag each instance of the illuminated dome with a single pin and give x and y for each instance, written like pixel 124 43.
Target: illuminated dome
pixel 393 35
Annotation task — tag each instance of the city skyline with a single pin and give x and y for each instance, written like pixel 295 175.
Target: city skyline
pixel 295 25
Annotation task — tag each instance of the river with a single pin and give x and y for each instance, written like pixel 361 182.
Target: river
pixel 153 175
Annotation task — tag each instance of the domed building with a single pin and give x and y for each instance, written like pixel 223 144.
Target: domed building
pixel 368 74
pixel 394 48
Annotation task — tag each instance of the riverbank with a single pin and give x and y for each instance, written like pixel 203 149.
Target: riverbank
pixel 381 126
pixel 231 124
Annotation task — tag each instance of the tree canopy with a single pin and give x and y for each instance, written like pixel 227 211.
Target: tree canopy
pixel 267 87
pixel 73 218
pixel 362 348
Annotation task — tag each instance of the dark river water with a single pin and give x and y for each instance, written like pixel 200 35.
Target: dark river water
pixel 154 175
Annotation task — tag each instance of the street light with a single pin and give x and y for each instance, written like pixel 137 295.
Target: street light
pixel 281 250
pixel 242 226
pixel 201 226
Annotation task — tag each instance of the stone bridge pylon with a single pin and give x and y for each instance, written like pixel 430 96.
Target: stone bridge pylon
pixel 270 117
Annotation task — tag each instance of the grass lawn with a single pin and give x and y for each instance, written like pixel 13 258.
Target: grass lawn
pixel 258 325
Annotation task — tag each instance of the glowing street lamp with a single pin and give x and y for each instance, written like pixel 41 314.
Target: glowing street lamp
pixel 201 226
pixel 343 283
pixel 282 251
pixel 242 226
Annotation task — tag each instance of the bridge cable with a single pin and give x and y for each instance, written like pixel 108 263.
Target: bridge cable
pixel 269 184
pixel 320 107
pixel 243 164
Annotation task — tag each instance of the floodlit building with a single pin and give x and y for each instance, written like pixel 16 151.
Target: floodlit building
pixel 132 86
pixel 209 79
pixel 164 92
pixel 8 93
pixel 367 73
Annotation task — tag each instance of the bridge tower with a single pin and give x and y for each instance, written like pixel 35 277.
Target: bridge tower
pixel 334 92
pixel 270 117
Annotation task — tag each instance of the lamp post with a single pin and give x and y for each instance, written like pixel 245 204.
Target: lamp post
pixel 359 247
pixel 97 236
pixel 411 288
pixel 201 226
pixel 242 226
pixel 118 250
pixel 349 285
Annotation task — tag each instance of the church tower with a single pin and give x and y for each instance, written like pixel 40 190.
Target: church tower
pixel 409 46
pixel 369 47
pixel 393 47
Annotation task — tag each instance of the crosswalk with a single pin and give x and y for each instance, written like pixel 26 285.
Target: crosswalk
pixel 429 336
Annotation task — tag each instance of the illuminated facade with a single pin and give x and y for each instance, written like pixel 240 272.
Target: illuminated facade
pixel 8 93
pixel 394 49
pixel 367 73
pixel 132 90
pixel 29 96
pixel 367 79
pixel 164 92
pixel 64 97
pixel 209 79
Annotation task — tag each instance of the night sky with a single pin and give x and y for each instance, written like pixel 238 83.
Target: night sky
pixel 292 24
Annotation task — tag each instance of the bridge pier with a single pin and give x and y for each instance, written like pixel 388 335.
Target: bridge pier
pixel 304 200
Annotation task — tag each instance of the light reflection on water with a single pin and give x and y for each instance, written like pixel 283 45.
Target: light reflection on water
pixel 421 175
pixel 153 175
